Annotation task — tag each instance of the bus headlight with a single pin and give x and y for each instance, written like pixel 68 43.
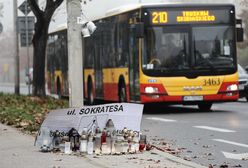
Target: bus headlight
pixel 151 90
pixel 233 87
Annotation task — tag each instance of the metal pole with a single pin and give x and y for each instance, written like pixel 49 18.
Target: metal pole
pixel 27 43
pixel 75 54
pixel 16 51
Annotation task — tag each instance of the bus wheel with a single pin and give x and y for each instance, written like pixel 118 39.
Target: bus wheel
pixel 206 106
pixel 122 93
pixel 90 98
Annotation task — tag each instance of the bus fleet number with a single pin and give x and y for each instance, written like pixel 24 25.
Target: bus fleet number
pixel 211 82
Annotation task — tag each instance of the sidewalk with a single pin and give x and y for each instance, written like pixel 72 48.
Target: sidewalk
pixel 17 151
pixel 12 84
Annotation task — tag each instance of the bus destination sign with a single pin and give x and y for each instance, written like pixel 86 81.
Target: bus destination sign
pixel 196 16
pixel 167 17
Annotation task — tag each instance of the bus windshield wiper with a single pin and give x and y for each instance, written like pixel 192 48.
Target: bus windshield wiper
pixel 207 63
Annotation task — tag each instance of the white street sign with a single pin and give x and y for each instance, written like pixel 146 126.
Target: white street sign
pixel 122 114
pixel 80 20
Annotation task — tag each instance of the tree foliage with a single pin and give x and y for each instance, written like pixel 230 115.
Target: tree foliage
pixel 43 18
pixel 1 9
pixel 244 3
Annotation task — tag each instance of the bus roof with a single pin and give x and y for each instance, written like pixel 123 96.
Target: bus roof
pixel 122 9
pixel 58 28
pixel 130 7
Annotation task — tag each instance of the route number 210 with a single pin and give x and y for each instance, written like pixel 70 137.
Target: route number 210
pixel 159 17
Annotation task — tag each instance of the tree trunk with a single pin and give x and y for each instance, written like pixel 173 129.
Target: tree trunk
pixel 39 42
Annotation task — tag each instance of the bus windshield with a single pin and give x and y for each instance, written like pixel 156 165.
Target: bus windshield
pixel 213 49
pixel 189 48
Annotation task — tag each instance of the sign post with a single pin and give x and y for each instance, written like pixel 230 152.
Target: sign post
pixel 16 54
pixel 26 36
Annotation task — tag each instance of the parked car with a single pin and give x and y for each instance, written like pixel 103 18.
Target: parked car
pixel 243 82
pixel 246 68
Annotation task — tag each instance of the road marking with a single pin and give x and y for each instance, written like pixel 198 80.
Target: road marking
pixel 160 119
pixel 241 156
pixel 230 142
pixel 214 129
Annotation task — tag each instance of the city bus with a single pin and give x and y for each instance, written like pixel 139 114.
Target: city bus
pixel 155 53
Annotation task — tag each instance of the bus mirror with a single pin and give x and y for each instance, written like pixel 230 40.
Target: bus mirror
pixel 240 30
pixel 139 30
pixel 240 34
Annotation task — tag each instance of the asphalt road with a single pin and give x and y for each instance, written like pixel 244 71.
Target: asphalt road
pixel 217 137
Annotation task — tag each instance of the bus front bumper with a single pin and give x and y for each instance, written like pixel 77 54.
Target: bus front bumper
pixel 220 97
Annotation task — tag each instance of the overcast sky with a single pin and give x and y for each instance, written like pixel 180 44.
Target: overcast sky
pixel 92 9
pixel 7 19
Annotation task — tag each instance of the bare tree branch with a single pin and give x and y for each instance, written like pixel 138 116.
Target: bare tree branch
pixel 51 6
pixel 35 8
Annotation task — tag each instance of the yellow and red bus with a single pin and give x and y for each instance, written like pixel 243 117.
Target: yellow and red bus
pixel 160 53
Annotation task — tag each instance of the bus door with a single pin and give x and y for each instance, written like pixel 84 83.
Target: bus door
pixel 134 65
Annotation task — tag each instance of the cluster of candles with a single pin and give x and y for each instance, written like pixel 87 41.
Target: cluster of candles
pixel 106 141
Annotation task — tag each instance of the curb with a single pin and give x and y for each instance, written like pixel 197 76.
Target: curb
pixel 179 160
pixel 153 158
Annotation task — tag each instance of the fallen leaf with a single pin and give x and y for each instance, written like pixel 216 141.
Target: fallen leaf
pixel 208 154
pixel 206 146
pixel 17 120
pixel 24 123
pixel 164 143
pixel 210 159
pixel 148 147
pixel 186 158
pixel 152 153
pixel 224 166
pixel 210 166
pixel 14 154
pixel 157 161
